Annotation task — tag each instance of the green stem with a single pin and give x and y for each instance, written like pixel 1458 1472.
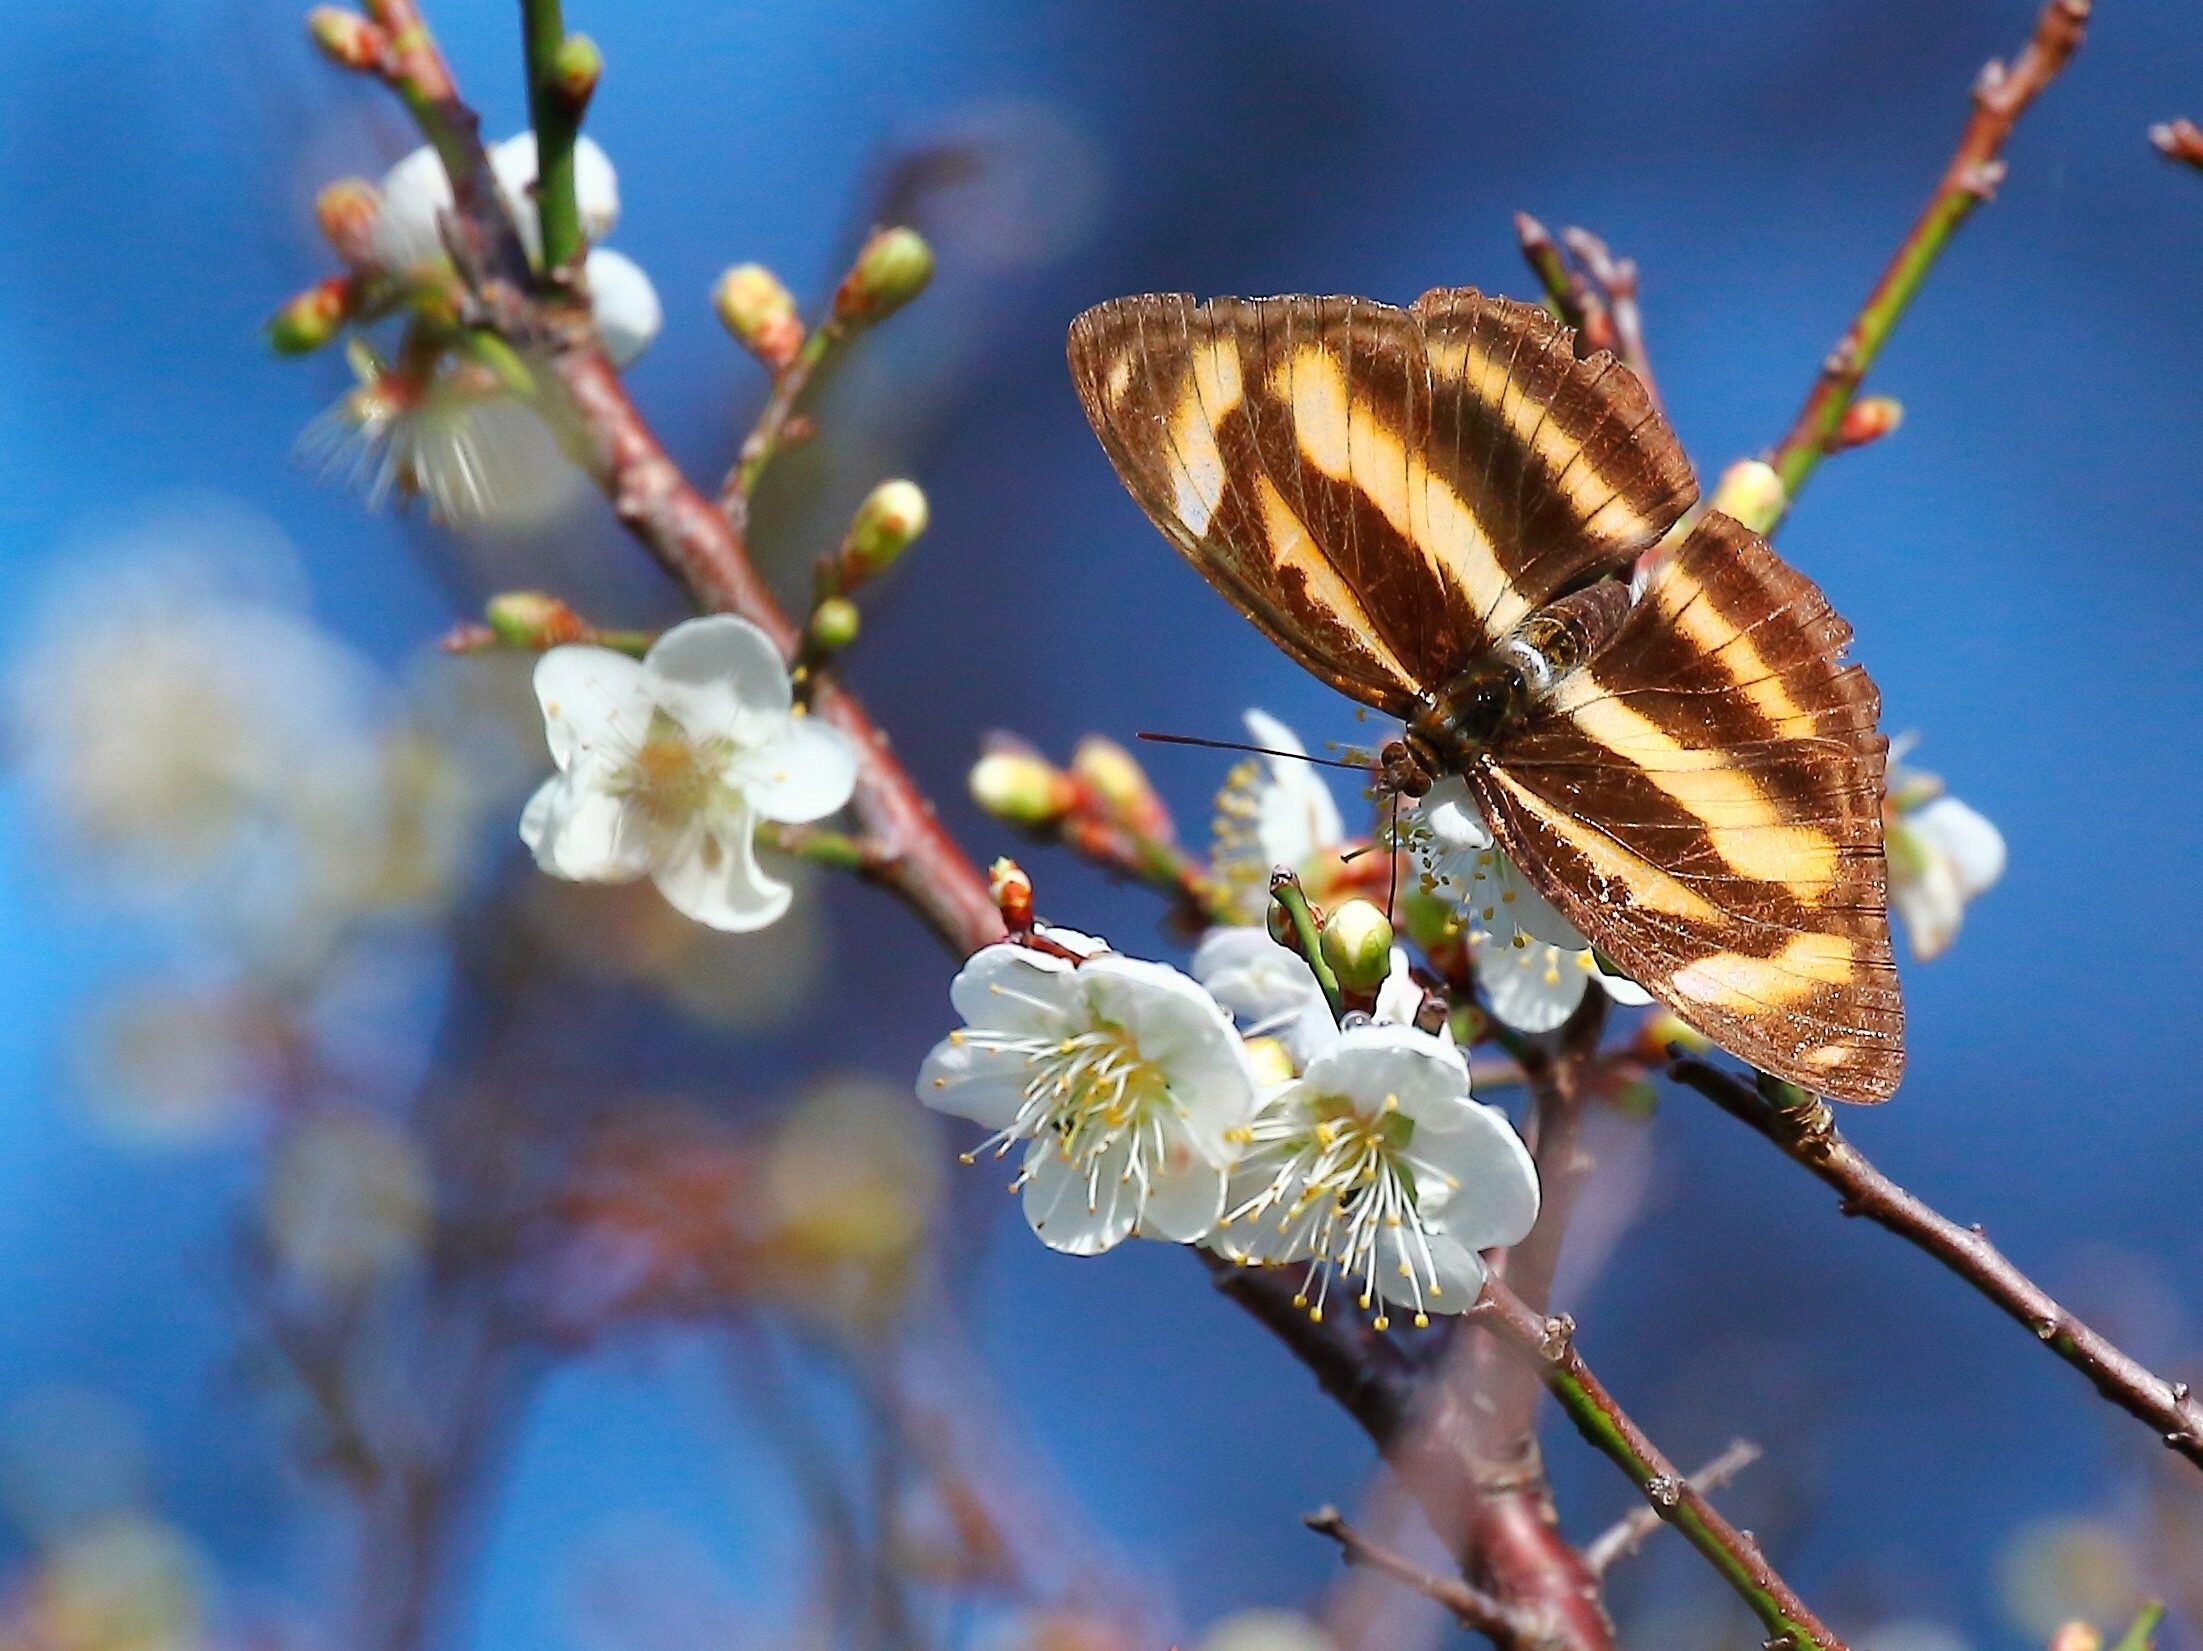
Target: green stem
pixel 2141 1634
pixel 1307 938
pixel 822 848
pixel 557 122
pixel 770 433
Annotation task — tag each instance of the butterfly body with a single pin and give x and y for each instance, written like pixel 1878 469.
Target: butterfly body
pixel 1440 511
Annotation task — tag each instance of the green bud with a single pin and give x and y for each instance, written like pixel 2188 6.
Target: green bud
pixel 574 69
pixel 889 519
pixel 311 319
pixel 1357 943
pixel 834 624
pixel 346 212
pixel 891 270
pixel 532 619
pixel 346 38
pixel 1021 789
pixel 1469 1023
pixel 1751 492
pixel 1115 776
pixel 760 312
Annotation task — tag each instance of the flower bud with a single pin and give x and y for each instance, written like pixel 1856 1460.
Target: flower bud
pixel 1870 418
pixel 1021 789
pixel 1279 922
pixel 892 269
pixel 834 624
pixel 1115 776
pixel 346 212
pixel 533 619
pixel 1664 1028
pixel 311 319
pixel 2077 1636
pixel 1012 891
pixel 1272 1063
pixel 1357 943
pixel 574 69
pixel 889 519
pixel 346 38
pixel 760 312
pixel 1752 493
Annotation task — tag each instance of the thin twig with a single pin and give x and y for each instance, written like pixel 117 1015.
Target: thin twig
pixel 1549 1343
pixel 2179 140
pixel 1627 1534
pixel 2141 1633
pixel 2000 96
pixel 1616 279
pixel 1809 1135
pixel 1471 1607
pixel 776 421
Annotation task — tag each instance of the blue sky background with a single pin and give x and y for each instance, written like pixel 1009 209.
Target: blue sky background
pixel 2020 563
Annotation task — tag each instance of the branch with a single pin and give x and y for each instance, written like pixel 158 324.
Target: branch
pixel 2179 140
pixel 1590 290
pixel 562 73
pixel 1616 280
pixel 1809 1135
pixel 1627 1534
pixel 1471 1607
pixel 1549 1343
pixel 2000 96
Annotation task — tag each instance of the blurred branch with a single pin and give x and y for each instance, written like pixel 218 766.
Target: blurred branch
pixel 1807 1133
pixel 556 98
pixel 2001 95
pixel 2179 140
pixel 1590 290
pixel 1626 1535
pixel 2141 1633
pixel 699 546
pixel 1472 1608
pixel 1549 1344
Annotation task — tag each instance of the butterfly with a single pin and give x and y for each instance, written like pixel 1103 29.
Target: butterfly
pixel 1440 512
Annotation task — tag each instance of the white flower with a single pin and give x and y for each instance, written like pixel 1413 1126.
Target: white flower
pixel 1268 989
pixel 624 304
pixel 1376 1164
pixel 1531 961
pixel 1274 811
pixel 596 188
pixel 667 764
pixel 417 190
pixel 1941 855
pixel 1123 1079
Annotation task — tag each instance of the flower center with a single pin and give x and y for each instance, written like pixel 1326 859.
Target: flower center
pixel 1089 1094
pixel 1342 1189
pixel 671 778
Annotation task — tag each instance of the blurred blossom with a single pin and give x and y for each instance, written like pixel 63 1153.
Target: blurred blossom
pixel 169 1064
pixel 2057 1569
pixel 417 191
pixel 1268 989
pixel 668 765
pixel 1911 1634
pixel 348 1199
pixel 1064 1629
pixel 68 1457
pixel 123 1583
pixel 1275 811
pixel 596 188
pixel 1122 1080
pixel 1264 1628
pixel 734 982
pixel 1942 855
pixel 623 303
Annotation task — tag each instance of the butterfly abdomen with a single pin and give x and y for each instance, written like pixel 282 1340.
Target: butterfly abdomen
pixel 1474 709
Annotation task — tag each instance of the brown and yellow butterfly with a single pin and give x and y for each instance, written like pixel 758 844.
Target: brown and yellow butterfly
pixel 1437 511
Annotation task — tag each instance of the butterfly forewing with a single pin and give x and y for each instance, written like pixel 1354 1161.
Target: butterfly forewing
pixel 1704 801
pixel 1385 492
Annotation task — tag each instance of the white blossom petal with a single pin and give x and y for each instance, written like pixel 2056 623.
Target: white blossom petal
pixel 1459 1271
pixel 1180 1028
pixel 719 677
pixel 1268 989
pixel 1532 987
pixel 975 1081
pixel 624 304
pixel 1453 817
pixel 804 770
pixel 1298 817
pixel 1424 1077
pixel 1183 1201
pixel 582 833
pixel 415 192
pixel 596 188
pixel 1062 1211
pixel 1487 1183
pixel 1969 840
pixel 594 701
pixel 713 876
pixel 1009 988
pixel 1621 989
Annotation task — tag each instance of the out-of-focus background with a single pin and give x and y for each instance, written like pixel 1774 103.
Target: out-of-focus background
pixel 398 1250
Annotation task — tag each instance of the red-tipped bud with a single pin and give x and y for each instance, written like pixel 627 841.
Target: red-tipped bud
pixel 892 269
pixel 346 212
pixel 892 515
pixel 311 319
pixel 834 624
pixel 1870 418
pixel 1115 776
pixel 533 619
pixel 1022 789
pixel 1013 893
pixel 761 313
pixel 574 70
pixel 346 38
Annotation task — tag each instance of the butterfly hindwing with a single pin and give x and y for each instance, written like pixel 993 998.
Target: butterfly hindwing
pixel 1703 800
pixel 1385 492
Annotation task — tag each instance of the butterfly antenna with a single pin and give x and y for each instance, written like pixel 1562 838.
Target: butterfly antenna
pixel 1392 880
pixel 1255 750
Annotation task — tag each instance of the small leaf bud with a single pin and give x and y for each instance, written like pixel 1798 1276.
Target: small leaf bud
pixel 1012 891
pixel 1470 1025
pixel 2077 1636
pixel 311 319
pixel 1870 418
pixel 892 515
pixel 834 624
pixel 346 38
pixel 346 212
pixel 1021 789
pixel 1667 1027
pixel 1357 943
pixel 532 619
pixel 1752 493
pixel 574 69
pixel 1279 921
pixel 1115 776
pixel 892 269
pixel 760 313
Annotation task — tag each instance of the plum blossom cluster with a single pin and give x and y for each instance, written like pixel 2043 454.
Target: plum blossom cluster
pixel 1137 1108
